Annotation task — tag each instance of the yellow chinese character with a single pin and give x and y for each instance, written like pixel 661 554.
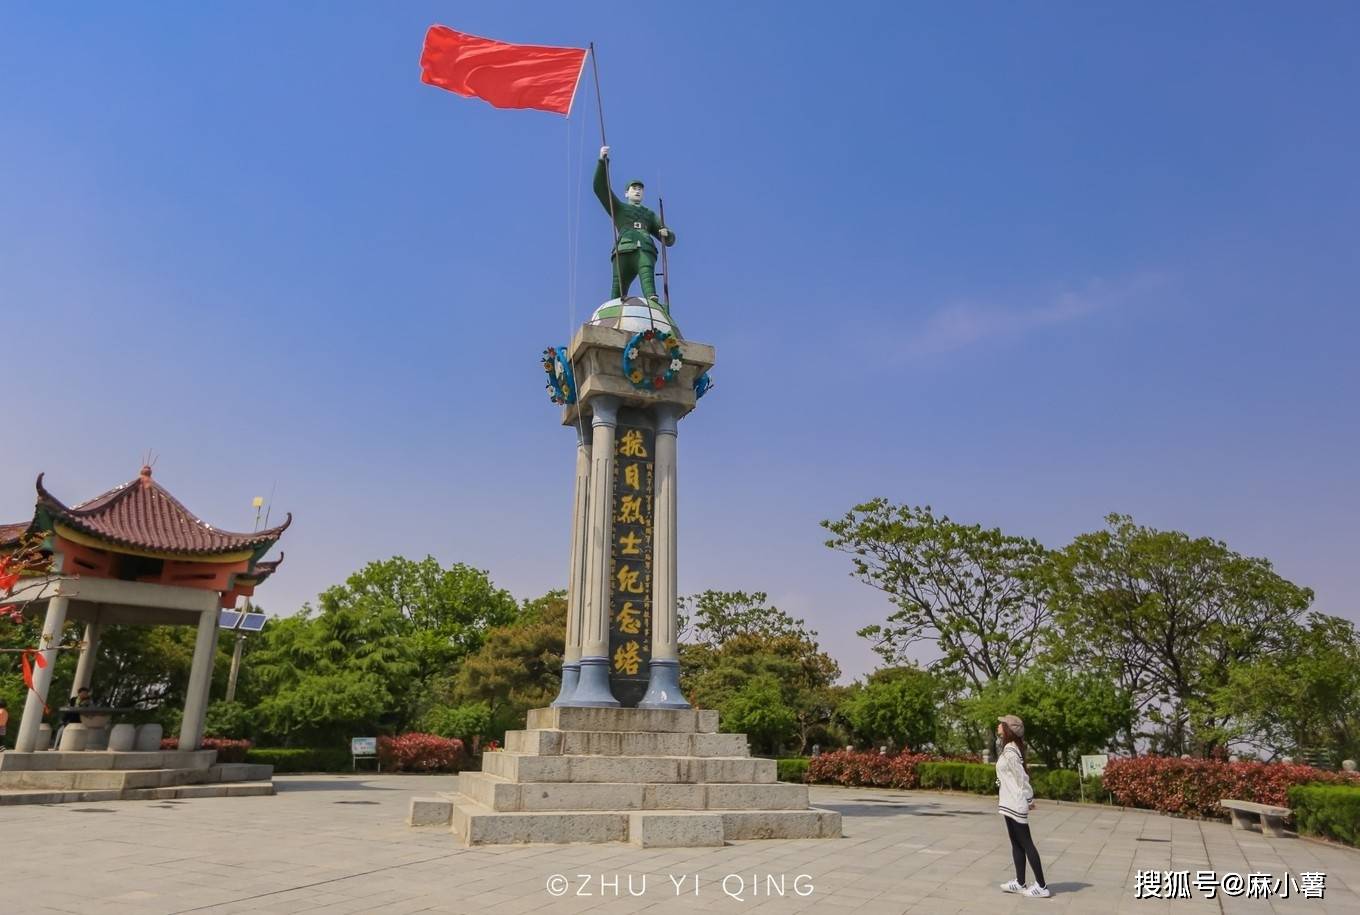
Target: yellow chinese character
pixel 631 444
pixel 630 580
pixel 632 476
pixel 629 619
pixel 630 510
pixel 626 659
pixel 631 544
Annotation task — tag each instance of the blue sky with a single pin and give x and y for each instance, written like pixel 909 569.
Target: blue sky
pixel 1027 263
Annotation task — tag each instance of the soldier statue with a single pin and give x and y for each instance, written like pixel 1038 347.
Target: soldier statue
pixel 634 253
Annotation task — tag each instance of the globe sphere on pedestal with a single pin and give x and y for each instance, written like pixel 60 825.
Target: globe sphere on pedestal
pixel 633 315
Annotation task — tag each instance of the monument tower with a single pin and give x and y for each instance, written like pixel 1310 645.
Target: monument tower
pixel 619 755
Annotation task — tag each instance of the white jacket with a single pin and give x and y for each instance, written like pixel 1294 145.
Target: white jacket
pixel 1016 791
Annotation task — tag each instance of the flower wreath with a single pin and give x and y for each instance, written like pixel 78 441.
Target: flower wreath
pixel 635 375
pixel 561 382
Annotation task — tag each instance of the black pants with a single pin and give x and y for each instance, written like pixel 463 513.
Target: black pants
pixel 1022 846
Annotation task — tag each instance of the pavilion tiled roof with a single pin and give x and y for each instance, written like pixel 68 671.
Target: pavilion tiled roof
pixel 9 533
pixel 142 514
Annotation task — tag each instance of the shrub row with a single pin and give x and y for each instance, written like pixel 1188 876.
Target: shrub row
pixel 978 778
pixel 792 768
pixel 855 769
pixel 420 753
pixel 228 750
pixel 1193 787
pixel 1330 806
pixel 302 759
pixel 1327 810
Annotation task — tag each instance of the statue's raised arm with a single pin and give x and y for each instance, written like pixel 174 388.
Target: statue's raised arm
pixel 634 253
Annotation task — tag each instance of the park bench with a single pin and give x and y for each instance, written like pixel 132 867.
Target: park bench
pixel 1244 813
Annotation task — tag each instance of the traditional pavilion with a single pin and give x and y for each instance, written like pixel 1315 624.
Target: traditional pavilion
pixel 134 555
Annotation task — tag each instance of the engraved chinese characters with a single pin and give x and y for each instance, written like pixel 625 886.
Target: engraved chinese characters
pixel 630 581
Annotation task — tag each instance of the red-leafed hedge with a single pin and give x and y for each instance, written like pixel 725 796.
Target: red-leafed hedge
pixel 420 753
pixel 228 751
pixel 852 768
pixel 1193 787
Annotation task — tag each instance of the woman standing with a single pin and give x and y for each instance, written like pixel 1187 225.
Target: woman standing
pixel 1015 802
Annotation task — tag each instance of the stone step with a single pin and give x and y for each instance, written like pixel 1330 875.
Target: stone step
pixel 664 769
pixel 544 742
pixel 241 772
pixel 219 789
pixel 431 810
pixel 781 824
pixel 51 760
pixel 124 779
pixel 111 779
pixel 476 825
pixel 500 795
pixel 675 830
pixel 669 721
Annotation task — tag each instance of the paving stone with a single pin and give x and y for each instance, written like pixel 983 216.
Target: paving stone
pixel 925 852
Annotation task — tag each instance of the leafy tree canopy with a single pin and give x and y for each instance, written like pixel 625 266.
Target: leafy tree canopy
pixel 1169 616
pixel 898 705
pixel 976 593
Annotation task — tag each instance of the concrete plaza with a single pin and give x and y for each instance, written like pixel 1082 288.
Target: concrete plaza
pixel 339 844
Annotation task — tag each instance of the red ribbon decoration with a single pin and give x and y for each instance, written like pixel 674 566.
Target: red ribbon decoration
pixel 29 655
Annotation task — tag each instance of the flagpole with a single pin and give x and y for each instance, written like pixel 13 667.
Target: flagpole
pixel 609 182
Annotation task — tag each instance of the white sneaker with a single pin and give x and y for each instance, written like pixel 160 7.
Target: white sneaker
pixel 1012 886
pixel 1037 891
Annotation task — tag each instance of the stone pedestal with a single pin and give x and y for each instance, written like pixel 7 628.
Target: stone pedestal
pixel 651 777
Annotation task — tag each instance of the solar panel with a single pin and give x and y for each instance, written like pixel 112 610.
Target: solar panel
pixel 227 619
pixel 252 622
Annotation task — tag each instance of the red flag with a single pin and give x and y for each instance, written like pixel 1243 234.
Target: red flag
pixel 505 75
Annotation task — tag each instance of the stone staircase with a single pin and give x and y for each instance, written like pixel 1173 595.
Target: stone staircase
pixel 652 777
pixel 54 777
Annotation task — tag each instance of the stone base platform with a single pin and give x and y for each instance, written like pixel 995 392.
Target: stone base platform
pixel 54 777
pixel 653 777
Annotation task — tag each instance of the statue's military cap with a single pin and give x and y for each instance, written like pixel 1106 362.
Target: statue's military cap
pixel 635 181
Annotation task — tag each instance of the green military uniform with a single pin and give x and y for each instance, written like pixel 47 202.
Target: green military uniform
pixel 635 253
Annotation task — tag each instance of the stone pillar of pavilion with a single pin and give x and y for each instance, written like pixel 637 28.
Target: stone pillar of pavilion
pixel 621 631
pixel 134 556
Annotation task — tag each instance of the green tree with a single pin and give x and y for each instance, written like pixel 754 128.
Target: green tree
pixel 1303 700
pixel 714 617
pixel 318 678
pixel 1066 714
pixel 368 657
pixel 759 711
pixel 895 704
pixel 442 613
pixel 1168 616
pixel 977 594
pixel 743 639
pixel 518 667
pixel 465 722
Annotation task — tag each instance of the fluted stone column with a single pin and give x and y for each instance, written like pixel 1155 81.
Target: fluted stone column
pixel 576 575
pixel 592 686
pixel 85 666
pixel 200 681
pixel 42 676
pixel 663 683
